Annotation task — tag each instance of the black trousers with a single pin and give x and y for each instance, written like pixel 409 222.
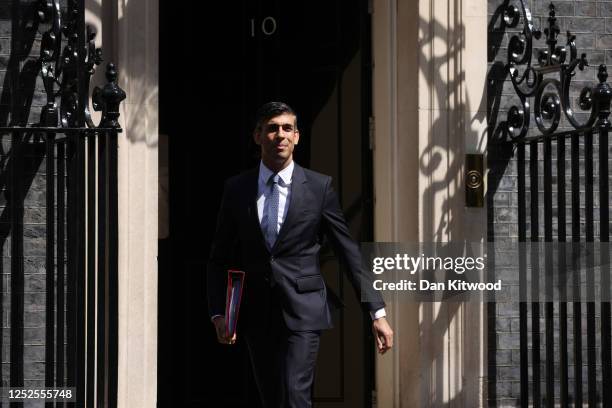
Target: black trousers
pixel 283 362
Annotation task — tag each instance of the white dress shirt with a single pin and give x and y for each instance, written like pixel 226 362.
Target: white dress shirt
pixel 284 190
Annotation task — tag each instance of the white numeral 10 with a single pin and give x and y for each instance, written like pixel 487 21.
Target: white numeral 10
pixel 268 26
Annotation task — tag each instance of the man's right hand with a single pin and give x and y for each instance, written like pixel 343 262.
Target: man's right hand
pixel 219 322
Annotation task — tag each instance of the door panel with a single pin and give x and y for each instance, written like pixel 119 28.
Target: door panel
pixel 309 55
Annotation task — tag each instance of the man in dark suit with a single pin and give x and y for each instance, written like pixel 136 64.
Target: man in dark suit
pixel 269 225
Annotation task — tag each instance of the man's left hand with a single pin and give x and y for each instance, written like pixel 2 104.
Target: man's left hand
pixel 383 335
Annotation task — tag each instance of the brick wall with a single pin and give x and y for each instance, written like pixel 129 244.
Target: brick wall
pixel 21 98
pixel 591 22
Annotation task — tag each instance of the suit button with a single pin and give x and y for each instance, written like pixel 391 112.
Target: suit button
pixel 266 279
pixel 272 259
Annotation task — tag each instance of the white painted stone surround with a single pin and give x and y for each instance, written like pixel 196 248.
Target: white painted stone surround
pixel 430 62
pixel 128 32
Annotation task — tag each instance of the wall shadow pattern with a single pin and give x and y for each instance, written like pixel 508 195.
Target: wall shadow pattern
pixel 441 162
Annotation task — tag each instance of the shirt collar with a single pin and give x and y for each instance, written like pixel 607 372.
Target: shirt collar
pixel 285 174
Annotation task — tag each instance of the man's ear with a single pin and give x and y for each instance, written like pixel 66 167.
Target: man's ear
pixel 256 137
pixel 297 137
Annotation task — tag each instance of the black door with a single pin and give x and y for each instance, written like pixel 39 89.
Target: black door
pixel 218 62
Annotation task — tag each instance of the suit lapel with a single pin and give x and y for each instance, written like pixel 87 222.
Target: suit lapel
pixel 295 203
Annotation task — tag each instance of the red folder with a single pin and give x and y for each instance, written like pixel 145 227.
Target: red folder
pixel 235 283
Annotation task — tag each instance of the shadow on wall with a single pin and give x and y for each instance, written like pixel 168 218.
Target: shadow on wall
pixel 442 162
pixel 21 155
pixel 499 153
pixel 140 78
pixel 499 157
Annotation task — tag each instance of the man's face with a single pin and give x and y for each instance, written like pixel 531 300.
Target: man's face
pixel 277 138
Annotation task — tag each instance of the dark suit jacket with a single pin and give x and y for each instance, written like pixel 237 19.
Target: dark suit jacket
pixel 290 270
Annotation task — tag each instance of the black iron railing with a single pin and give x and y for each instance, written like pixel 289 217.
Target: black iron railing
pixel 546 87
pixel 80 215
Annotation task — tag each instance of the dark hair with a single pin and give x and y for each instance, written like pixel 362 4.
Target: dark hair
pixel 270 110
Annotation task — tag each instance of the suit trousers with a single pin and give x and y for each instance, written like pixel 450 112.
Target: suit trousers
pixel 283 361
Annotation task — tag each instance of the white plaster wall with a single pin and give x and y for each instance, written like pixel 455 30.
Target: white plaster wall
pixel 130 39
pixel 430 110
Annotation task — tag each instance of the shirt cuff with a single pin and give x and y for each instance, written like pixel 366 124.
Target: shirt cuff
pixel 378 314
pixel 212 319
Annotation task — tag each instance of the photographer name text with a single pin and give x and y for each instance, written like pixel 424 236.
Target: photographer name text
pixel 426 285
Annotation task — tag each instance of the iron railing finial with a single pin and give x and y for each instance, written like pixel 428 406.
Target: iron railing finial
pixel 108 98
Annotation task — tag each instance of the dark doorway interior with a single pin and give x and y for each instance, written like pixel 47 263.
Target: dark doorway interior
pixel 218 62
